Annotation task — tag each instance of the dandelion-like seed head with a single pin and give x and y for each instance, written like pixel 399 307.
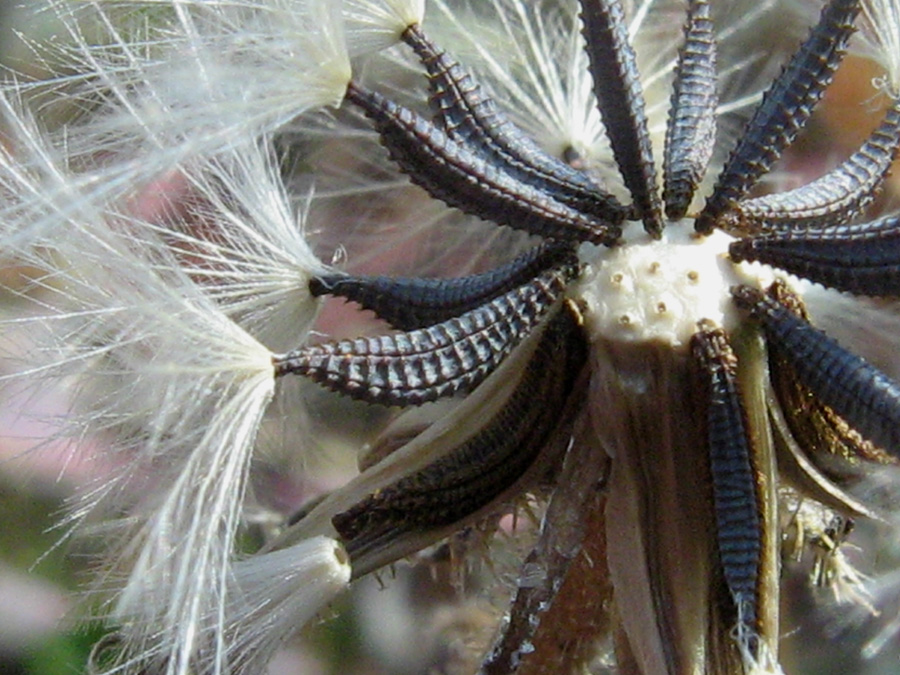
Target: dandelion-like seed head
pixel 607 311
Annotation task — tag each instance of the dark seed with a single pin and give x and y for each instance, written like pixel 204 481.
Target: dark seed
pixel 784 110
pixel 621 101
pixel 862 258
pixel 735 493
pixel 451 357
pixel 471 117
pixel 481 469
pixel 861 394
pixel 835 198
pixel 691 129
pixel 463 179
pixel 410 303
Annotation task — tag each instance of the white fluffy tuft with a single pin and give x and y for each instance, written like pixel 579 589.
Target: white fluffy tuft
pixel 276 594
pixel 373 25
pixel 172 392
pixel 880 28
pixel 167 388
pixel 763 663
pixel 242 238
pixel 186 78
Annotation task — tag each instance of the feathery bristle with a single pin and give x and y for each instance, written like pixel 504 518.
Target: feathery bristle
pixel 372 26
pixel 173 392
pixel 239 235
pixel 189 82
pixel 880 28
pixel 273 595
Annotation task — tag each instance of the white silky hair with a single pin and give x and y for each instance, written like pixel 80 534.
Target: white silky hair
pixel 373 26
pixel 880 30
pixel 242 238
pixel 171 392
pixel 37 187
pixel 275 593
pixel 173 80
pixel 167 388
pixel 148 318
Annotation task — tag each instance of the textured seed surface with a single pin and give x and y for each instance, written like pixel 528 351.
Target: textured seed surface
pixel 451 357
pixel 410 303
pixel 837 197
pixel 468 115
pixel 473 475
pixel 862 258
pixel 691 129
pixel 784 110
pixel 735 494
pixel 861 394
pixel 820 433
pixel 621 101
pixel 461 178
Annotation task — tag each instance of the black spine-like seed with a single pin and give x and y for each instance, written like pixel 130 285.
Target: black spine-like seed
pixel 463 179
pixel 783 112
pixel 862 259
pixel 410 303
pixel 423 365
pixel 459 104
pixel 477 472
pixel 862 395
pixel 470 116
pixel 735 495
pixel 621 102
pixel 837 197
pixel 819 432
pixel 691 129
